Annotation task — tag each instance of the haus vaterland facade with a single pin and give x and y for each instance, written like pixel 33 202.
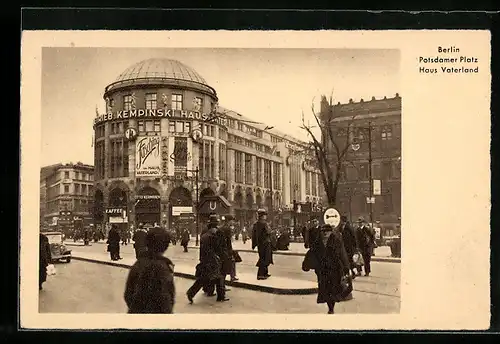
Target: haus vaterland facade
pixel 164 143
pixel 375 134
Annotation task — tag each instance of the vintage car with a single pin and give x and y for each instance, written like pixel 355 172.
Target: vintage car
pixel 58 250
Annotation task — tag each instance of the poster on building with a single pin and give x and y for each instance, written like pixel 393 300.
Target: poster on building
pixel 148 157
pixel 377 187
pixel 180 156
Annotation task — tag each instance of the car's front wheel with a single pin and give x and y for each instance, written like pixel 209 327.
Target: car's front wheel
pixel 68 260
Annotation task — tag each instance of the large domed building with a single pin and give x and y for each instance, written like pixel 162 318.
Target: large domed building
pixel 162 125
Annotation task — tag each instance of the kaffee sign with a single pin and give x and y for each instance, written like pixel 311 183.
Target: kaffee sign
pixel 159 114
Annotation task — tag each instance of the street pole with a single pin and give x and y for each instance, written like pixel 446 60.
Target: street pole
pixel 197 219
pixel 370 170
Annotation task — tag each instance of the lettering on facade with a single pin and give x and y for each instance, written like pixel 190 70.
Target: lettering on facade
pixel 158 114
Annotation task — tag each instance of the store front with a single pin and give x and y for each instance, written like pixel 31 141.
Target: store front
pixel 147 207
pixel 116 211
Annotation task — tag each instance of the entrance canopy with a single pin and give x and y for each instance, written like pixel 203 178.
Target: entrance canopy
pixel 214 204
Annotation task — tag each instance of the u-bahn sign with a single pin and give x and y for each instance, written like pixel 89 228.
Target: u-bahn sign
pixel 214 204
pixel 331 217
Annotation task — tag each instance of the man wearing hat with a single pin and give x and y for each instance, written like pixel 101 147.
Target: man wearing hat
pixel 365 238
pixel 261 238
pixel 208 271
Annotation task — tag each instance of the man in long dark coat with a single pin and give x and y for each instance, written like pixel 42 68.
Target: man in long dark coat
pixel 114 243
pixel 226 248
pixel 208 271
pixel 261 238
pixel 366 239
pixel 311 233
pixel 185 237
pixel 45 258
pixel 349 239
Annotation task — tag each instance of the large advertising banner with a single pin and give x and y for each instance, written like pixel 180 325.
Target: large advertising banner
pixel 148 156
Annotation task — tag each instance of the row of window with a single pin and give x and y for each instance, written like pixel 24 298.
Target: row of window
pixel 384 132
pixel 79 189
pixel 76 205
pixel 357 204
pixel 360 171
pixel 151 102
pixel 78 175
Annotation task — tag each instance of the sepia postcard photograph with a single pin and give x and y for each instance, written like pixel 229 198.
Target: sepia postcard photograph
pixel 255 180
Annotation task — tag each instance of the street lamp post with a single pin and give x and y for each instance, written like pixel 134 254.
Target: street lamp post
pixel 196 172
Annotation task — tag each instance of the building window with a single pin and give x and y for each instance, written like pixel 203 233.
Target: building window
pixel 176 101
pixel 198 104
pixel 231 123
pixel 308 183
pixel 387 203
pixel 66 175
pixel 66 189
pixel 363 171
pixel 222 161
pixel 238 172
pixel 386 133
pixel 99 160
pixel 100 131
pixel 149 126
pixel 267 174
pixel 208 130
pixel 77 175
pixel 248 169
pixel 387 170
pixel 127 102
pixel 77 189
pixel 84 189
pixel 258 170
pixel 118 158
pixel 241 126
pixel 314 184
pixel 151 101
pixel 119 127
pixel 179 127
pixel 276 176
pixel 223 134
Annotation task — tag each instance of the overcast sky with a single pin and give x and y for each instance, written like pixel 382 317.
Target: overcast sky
pixel 272 86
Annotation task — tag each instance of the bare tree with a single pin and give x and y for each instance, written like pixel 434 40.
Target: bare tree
pixel 328 147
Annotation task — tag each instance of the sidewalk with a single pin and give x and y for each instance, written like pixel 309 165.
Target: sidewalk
pixel 382 253
pixel 273 285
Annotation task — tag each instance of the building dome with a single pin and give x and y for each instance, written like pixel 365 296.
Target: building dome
pixel 160 68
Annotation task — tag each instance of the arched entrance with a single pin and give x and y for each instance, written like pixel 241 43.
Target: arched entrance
pixel 269 201
pixel 147 206
pixel 238 205
pixel 181 210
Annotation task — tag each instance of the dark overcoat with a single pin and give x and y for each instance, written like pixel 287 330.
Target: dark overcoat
pixel 209 267
pixel 150 285
pixel 349 239
pixel 261 238
pixel 225 249
pixel 365 238
pixel 185 237
pixel 113 240
pixel 332 264
pixel 45 258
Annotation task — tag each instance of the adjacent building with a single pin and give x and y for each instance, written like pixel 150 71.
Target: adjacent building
pixel 371 131
pixel 66 187
pixel 164 142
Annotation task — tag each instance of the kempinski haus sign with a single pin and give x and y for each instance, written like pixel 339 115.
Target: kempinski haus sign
pixel 158 114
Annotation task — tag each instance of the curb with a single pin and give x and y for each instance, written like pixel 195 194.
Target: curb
pixel 298 254
pixel 236 284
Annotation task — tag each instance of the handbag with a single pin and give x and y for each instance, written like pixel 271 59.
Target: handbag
pixel 237 257
pixel 357 259
pixel 51 270
pixel 346 287
pixel 309 262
